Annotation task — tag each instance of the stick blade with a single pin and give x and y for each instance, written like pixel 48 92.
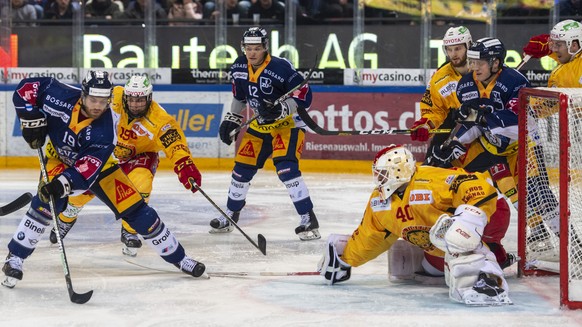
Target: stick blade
pixel 262 244
pixel 81 298
pixel 20 202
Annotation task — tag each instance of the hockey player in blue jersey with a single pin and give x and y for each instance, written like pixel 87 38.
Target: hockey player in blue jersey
pixel 258 81
pixel 81 130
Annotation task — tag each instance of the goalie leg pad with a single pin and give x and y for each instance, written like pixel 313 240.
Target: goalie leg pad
pixel 404 260
pixel 331 267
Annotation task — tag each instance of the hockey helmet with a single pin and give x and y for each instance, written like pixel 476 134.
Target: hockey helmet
pixel 392 168
pixel 568 30
pixel 255 35
pixel 97 83
pixel 487 48
pixel 137 86
pixel 457 35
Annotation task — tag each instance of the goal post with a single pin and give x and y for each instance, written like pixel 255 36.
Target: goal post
pixel 550 188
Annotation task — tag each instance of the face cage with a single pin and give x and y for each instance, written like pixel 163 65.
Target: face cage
pixel 386 184
pixel 143 113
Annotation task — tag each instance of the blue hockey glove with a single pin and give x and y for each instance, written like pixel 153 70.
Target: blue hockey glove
pixel 231 122
pixel 59 187
pixel 442 156
pixel 34 129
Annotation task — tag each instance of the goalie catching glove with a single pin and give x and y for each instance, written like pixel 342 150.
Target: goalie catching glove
pixel 59 187
pixel 231 122
pixel 188 173
pixel 34 129
pixel 538 46
pixel 272 112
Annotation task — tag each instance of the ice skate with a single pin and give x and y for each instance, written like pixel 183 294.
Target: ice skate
pixel 511 259
pixel 223 225
pixel 192 267
pixel 64 228
pixel 486 292
pixel 131 243
pixel 12 270
pixel 308 228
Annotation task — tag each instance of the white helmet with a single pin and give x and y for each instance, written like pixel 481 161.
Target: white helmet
pixel 568 30
pixel 137 86
pixel 392 168
pixel 457 35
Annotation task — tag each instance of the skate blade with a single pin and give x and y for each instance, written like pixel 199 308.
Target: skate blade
pixel 132 252
pixel 309 235
pixel 221 230
pixel 9 282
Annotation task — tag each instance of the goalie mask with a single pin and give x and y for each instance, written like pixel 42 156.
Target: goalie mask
pixel 137 96
pixel 567 31
pixel 392 168
pixel 457 35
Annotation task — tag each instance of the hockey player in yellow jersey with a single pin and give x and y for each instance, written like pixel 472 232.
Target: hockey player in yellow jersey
pixel 440 97
pixel 445 212
pixel 143 129
pixel 563 45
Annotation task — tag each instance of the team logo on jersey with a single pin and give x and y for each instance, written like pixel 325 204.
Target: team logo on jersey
pixel 122 191
pixel 419 236
pixel 29 91
pixel 420 197
pixel 123 152
pixel 266 85
pixel 253 103
pixel 247 150
pixel 88 166
pixel 170 137
pixel 279 144
pixel 426 98
pixel 377 204
pixel 448 89
pixel 460 180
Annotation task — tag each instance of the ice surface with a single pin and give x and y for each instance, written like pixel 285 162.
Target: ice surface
pixel 159 295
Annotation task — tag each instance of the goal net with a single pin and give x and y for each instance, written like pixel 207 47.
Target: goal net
pixel 550 188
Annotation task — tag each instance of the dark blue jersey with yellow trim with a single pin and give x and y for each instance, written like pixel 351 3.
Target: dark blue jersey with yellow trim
pixel 275 77
pixel 84 144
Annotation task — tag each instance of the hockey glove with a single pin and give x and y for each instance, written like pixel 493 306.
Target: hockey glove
pixel 443 155
pixel 272 112
pixel 231 122
pixel 420 129
pixel 34 130
pixel 538 46
pixel 188 173
pixel 59 187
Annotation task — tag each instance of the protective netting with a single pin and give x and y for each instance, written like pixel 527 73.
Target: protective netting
pixel 554 119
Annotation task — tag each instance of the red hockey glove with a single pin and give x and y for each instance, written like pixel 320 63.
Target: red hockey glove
pixel 538 47
pixel 186 170
pixel 420 129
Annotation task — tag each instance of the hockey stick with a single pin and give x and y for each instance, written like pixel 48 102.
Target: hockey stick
pixel 234 273
pixel 75 297
pixel 525 59
pixel 281 98
pixel 317 129
pixel 20 202
pixel 262 246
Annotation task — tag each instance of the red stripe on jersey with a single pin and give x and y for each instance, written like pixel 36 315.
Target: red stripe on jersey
pixel 301 93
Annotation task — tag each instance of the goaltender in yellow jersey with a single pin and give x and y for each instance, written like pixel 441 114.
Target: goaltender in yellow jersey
pixel 144 128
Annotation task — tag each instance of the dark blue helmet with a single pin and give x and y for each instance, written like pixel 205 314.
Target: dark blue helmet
pixel 487 48
pixel 97 84
pixel 255 35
